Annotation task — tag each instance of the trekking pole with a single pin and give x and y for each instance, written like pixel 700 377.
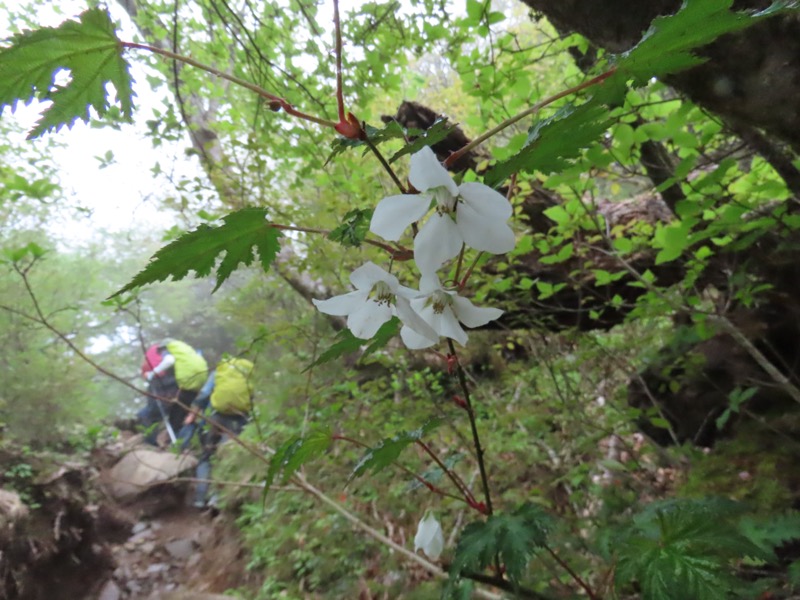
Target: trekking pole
pixel 164 416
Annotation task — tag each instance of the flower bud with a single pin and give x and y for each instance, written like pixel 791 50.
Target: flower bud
pixel 429 538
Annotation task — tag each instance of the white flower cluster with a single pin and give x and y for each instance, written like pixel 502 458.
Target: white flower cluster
pixel 470 214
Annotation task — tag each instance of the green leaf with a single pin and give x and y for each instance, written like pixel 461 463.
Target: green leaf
pixel 666 48
pixel 438 131
pixel 555 141
pixel 198 250
pixel 514 538
pixel 435 473
pixel 392 130
pixel 667 45
pixel 88 50
pixel 347 343
pixel 381 456
pixel 770 531
pixel 32 249
pixel 292 455
pixel 353 229
pixel 684 549
pixel 673 239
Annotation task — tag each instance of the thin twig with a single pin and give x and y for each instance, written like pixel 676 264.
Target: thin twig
pixel 533 109
pixel 449 472
pixel 435 489
pixel 384 163
pixel 282 103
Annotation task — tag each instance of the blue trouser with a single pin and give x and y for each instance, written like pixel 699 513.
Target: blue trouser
pixel 210 438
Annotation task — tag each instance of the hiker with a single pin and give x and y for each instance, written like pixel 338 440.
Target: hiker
pixel 174 372
pixel 229 392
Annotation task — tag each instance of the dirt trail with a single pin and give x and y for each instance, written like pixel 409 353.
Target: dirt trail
pixel 63 536
pixel 176 551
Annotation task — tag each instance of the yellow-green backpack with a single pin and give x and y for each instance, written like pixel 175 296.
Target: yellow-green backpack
pixel 232 387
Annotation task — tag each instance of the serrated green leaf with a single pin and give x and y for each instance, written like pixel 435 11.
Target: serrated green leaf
pixel 277 462
pixel 513 538
pixel 385 453
pixel 347 343
pixel 770 531
pixel 385 333
pixel 198 250
pixel 354 228
pixel 684 548
pixel 315 444
pixel 555 141
pixel 292 455
pixel 439 130
pixel 667 46
pixel 393 130
pixel 88 50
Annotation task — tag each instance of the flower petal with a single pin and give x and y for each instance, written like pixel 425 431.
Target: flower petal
pixel 365 321
pixel 429 283
pixel 365 277
pixel 447 324
pixel 341 305
pixel 413 321
pixel 427 172
pixel 407 292
pixel 484 232
pixel 429 538
pixel 443 323
pixel 395 213
pixel 415 341
pixel 438 240
pixel 485 200
pixel 471 315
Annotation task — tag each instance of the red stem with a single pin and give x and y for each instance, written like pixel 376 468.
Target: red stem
pixel 453 477
pixel 284 104
pixel 338 27
pixel 400 254
pixel 423 481
pixel 589 591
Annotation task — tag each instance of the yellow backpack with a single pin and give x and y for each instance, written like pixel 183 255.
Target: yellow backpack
pixel 191 370
pixel 232 387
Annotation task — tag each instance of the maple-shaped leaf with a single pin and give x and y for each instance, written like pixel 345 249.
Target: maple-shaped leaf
pixel 86 50
pixel 668 45
pixel 684 549
pixel 552 143
pixel 511 537
pixel 354 228
pixel 385 453
pixel 198 250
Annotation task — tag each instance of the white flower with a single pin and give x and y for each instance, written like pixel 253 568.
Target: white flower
pixel 442 310
pixel 378 297
pixel 472 213
pixel 429 538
